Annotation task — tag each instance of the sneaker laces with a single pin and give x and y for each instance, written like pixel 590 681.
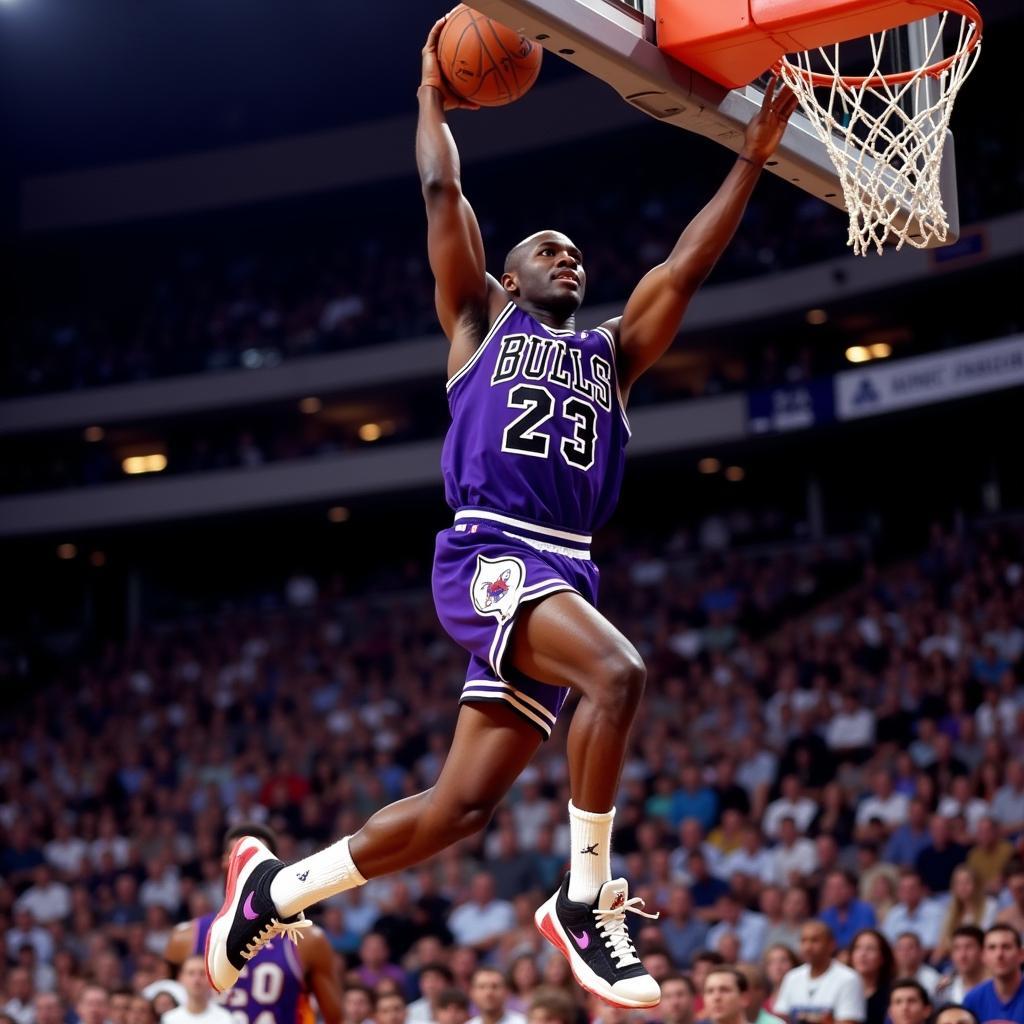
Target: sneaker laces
pixel 292 929
pixel 611 925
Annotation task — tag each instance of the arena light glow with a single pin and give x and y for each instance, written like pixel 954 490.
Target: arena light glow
pixel 735 474
pixel 93 434
pixel 98 559
pixel 136 464
pixel 310 405
pixel 370 432
pixel 857 354
pixel 709 465
pixel 880 350
pixel 816 316
pixel 66 551
pixel 338 514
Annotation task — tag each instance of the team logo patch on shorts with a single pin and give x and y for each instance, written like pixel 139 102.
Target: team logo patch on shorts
pixel 497 585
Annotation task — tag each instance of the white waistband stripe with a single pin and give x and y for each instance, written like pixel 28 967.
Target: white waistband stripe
pixel 581 539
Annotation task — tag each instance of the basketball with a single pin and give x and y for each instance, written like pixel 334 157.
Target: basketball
pixel 485 62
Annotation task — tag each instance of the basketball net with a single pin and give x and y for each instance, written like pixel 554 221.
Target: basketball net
pixel 885 133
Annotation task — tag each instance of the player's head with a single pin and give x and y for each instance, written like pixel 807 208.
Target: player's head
pixel 267 836
pixel 546 270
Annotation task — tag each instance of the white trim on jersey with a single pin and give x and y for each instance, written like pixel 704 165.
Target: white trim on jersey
pixel 556 549
pixel 606 334
pixel 582 539
pixel 474 358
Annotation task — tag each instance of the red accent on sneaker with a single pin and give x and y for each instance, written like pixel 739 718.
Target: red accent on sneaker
pixel 235 865
pixel 620 898
pixel 547 929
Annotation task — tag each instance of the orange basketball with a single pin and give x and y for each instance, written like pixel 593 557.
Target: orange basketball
pixel 484 62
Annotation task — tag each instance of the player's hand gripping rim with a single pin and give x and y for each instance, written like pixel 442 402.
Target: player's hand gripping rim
pixel 765 131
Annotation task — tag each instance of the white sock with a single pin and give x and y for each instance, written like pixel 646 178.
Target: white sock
pixel 591 865
pixel 308 881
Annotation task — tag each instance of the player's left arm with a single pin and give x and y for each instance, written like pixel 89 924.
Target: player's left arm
pixel 180 943
pixel 655 310
pixel 321 975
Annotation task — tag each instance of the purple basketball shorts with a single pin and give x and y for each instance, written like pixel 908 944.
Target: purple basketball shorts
pixel 486 567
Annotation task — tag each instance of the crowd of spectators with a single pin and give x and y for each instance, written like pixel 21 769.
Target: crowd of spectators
pixel 340 276
pixel 829 764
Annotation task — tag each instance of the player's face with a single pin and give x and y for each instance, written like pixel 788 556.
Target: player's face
pixel 550 273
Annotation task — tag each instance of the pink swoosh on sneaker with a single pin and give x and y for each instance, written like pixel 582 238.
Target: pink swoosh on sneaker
pixel 581 940
pixel 250 914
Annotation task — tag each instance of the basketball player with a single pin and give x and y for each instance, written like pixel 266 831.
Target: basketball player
pixel 532 464
pixel 275 986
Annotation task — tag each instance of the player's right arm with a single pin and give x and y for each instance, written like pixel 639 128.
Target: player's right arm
pixel 467 298
pixel 181 943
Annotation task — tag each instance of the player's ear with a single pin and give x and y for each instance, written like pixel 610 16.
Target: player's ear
pixel 510 282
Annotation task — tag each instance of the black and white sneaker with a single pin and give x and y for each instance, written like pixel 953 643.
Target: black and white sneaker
pixel 248 919
pixel 595 941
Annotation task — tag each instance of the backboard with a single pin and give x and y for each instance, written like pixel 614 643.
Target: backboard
pixel 616 40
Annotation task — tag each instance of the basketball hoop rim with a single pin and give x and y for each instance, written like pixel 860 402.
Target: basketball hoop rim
pixel 962 7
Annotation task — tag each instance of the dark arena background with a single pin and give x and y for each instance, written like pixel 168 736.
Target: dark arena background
pixel 221 416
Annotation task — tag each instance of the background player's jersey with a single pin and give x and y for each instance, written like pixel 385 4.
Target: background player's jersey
pixel 270 989
pixel 538 429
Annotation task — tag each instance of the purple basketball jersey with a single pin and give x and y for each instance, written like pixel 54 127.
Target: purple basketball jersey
pixel 538 430
pixel 270 989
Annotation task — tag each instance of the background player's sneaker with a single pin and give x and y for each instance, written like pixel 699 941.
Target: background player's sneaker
pixel 594 939
pixel 248 919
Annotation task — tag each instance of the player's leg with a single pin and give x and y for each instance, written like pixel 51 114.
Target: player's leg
pixel 491 746
pixel 564 641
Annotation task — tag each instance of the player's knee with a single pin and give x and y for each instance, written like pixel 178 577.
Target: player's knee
pixel 470 815
pixel 623 678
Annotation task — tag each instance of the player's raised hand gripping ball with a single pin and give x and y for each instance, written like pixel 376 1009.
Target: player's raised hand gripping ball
pixel 484 62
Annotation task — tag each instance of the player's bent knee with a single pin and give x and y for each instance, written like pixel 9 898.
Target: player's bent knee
pixel 623 678
pixel 471 819
pixel 462 818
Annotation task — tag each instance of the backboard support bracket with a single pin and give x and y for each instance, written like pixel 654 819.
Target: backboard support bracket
pixel 616 43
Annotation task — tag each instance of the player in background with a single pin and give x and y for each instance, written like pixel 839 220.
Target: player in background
pixel 532 464
pixel 275 986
